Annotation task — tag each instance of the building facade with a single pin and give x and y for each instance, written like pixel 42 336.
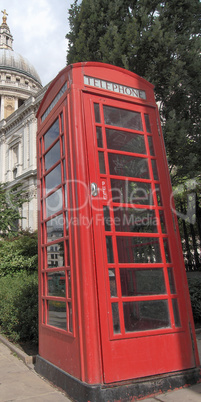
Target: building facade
pixel 21 92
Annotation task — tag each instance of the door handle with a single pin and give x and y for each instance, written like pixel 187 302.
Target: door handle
pixel 94 189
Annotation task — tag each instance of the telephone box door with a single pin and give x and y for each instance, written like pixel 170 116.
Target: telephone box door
pixel 144 330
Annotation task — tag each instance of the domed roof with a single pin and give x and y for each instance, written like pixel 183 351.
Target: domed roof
pixel 13 61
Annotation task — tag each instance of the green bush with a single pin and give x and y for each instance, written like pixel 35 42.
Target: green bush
pixel 19 307
pixel 19 253
pixel 195 295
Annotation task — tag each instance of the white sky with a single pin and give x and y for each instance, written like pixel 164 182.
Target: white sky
pixel 39 28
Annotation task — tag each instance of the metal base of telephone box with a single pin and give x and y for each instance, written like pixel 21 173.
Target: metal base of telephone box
pixel 124 391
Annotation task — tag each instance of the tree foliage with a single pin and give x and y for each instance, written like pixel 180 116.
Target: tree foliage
pixel 160 41
pixel 11 201
pixel 194 283
pixel 188 207
pixel 19 253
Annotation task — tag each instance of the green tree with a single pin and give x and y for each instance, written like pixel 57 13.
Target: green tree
pixel 11 201
pixel 160 41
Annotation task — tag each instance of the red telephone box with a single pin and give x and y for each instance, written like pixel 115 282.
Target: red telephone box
pixel 113 294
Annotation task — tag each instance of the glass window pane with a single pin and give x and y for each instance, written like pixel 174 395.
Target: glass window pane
pixel 43 256
pixel 56 314
pixel 147 122
pixel 68 253
pixel 69 284
pixel 56 284
pixel 107 219
pixel 43 285
pixel 138 250
pixel 113 287
pixel 63 146
pixel 176 312
pixel 52 156
pixel 130 192
pixel 41 166
pixel 64 169
pixel 65 195
pixel 146 315
pixel 171 281
pixel 51 134
pixel 42 234
pixel 40 146
pixel 43 311
pixel 101 162
pixel 124 141
pixel 97 112
pixel 99 137
pixel 62 122
pixel 115 316
pixel 122 118
pixel 54 203
pixel 137 282
pixel 53 178
pixel 135 220
pixel 155 170
pixel 67 223
pixel 109 249
pixel 151 146
pixel 167 250
pixel 162 221
pixel 70 317
pixel 54 102
pixel 55 228
pixel 129 166
pixel 158 195
pixel 55 255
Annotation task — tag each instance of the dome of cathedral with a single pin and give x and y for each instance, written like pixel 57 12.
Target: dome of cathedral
pixel 13 61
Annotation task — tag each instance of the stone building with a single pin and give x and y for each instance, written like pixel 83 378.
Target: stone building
pixel 21 92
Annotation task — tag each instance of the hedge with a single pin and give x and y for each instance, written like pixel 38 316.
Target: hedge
pixel 19 254
pixel 19 307
pixel 195 295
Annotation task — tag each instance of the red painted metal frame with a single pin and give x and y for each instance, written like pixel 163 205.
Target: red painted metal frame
pixel 116 354
pixel 53 339
pixel 158 235
pixel 93 353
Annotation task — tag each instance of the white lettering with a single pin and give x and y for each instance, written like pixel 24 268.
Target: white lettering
pixel 135 93
pixel 121 89
pixel 86 80
pixel 96 83
pixel 108 86
pixel 128 91
pixel 102 84
pixel 128 220
pixel 114 87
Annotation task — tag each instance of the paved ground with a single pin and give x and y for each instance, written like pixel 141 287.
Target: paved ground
pixel 19 382
pixel 192 394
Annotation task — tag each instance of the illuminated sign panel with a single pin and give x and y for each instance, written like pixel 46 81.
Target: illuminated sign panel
pixel 114 87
